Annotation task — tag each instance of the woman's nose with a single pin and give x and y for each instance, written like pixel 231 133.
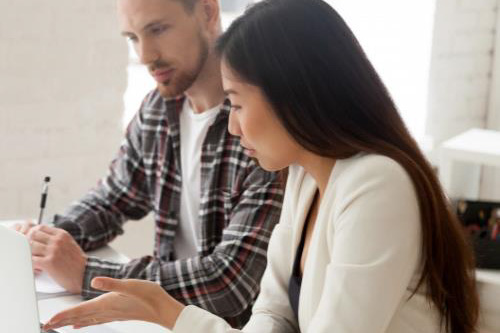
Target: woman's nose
pixel 233 124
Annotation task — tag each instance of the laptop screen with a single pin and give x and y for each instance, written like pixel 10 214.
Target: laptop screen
pixel 18 304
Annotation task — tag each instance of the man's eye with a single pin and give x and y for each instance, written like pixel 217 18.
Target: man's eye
pixel 132 39
pixel 235 107
pixel 158 30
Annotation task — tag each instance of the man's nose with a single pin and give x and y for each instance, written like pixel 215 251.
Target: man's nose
pixel 147 52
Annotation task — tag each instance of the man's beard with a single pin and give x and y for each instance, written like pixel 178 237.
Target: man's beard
pixel 182 81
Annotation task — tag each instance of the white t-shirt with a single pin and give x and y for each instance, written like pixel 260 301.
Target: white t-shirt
pixel 193 130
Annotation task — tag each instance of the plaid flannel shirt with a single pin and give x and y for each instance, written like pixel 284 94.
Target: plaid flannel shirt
pixel 239 206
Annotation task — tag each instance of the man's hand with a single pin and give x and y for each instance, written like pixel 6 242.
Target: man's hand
pixel 56 252
pixel 126 300
pixel 24 227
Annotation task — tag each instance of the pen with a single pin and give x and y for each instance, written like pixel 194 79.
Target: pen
pixel 45 191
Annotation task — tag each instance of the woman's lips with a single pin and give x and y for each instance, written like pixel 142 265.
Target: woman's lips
pixel 249 151
pixel 163 75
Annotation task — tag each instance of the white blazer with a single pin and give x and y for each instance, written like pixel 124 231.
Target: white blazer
pixel 362 264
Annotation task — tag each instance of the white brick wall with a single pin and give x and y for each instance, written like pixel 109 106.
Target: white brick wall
pixel 460 79
pixel 494 101
pixel 62 77
pixel 464 41
pixel 491 176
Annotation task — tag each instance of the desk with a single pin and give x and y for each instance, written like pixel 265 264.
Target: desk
pixel 488 288
pixel 48 307
pixel 488 282
pixel 476 147
pixel 488 285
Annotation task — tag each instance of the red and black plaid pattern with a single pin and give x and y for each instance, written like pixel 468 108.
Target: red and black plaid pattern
pixel 240 204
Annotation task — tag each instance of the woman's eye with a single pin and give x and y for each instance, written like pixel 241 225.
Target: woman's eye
pixel 235 107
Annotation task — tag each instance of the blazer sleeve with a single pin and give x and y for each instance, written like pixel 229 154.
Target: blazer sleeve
pixel 374 250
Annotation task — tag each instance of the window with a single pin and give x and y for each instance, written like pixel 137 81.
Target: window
pixel 395 34
pixel 397 37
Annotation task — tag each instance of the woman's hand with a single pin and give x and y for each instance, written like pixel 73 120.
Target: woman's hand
pixel 127 300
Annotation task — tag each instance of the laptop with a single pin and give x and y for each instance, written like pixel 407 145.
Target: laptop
pixel 18 303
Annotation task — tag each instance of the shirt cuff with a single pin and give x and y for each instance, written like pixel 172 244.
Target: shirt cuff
pixel 98 267
pixel 74 229
pixel 193 319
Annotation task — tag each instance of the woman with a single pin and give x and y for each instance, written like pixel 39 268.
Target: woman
pixel 366 241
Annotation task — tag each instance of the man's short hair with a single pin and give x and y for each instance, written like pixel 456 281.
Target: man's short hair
pixel 188 4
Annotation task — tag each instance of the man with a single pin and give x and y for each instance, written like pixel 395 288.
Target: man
pixel 214 208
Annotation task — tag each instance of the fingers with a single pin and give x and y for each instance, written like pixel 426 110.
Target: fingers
pixel 63 318
pixel 76 323
pixel 56 252
pixel 124 286
pixel 39 241
pixel 24 227
pixel 84 314
pixel 50 230
pixel 38 249
pixel 39 263
pixel 109 284
pixel 90 322
pixel 41 233
pixel 45 229
pixel 39 236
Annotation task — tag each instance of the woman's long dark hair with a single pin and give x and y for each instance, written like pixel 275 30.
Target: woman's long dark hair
pixel 328 96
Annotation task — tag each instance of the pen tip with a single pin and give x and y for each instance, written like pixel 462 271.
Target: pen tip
pixel 47 179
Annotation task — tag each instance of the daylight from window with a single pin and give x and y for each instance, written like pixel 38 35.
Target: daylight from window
pixel 396 35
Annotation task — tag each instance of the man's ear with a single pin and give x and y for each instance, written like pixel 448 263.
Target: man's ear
pixel 211 14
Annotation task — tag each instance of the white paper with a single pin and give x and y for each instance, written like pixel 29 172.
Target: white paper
pixel 45 284
pixel 11 223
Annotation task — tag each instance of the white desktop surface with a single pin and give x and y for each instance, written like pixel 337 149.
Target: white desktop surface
pixel 48 307
pixel 488 283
